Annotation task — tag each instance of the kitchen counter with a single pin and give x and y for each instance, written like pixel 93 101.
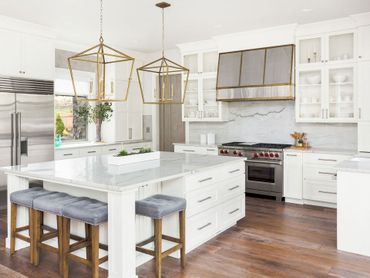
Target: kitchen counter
pixel 324 150
pixel 356 164
pixel 196 145
pixel 190 176
pixel 87 144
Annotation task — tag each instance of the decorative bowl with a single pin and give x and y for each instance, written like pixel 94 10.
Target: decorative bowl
pixel 313 79
pixel 339 77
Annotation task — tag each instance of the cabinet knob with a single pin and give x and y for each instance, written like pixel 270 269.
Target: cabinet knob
pixel 360 57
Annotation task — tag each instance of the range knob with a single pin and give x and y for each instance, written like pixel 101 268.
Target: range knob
pixel 235 152
pixel 226 151
pixel 221 151
pixel 240 154
pixel 266 154
pixel 261 154
pixel 271 155
pixel 255 155
pixel 276 155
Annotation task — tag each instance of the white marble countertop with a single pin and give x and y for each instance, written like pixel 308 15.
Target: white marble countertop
pixel 356 164
pixel 324 150
pixel 87 144
pixel 95 172
pixel 196 145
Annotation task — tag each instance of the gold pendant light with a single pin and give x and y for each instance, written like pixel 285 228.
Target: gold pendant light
pixel 166 73
pixel 104 61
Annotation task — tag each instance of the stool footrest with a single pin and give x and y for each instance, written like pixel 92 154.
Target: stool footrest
pixel 79 245
pixel 145 251
pixel 48 236
pixel 21 229
pixel 22 237
pixel 171 250
pixel 48 247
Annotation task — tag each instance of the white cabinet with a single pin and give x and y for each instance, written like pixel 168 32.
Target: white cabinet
pixel 364 90
pixel 364 43
pixel 200 102
pixel 327 78
pixel 209 150
pixel 364 137
pixel 293 173
pixel 27 56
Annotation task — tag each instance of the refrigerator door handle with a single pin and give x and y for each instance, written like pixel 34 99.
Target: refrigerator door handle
pixel 18 137
pixel 13 138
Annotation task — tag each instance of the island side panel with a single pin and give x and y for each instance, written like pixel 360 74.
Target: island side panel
pixel 16 183
pixel 121 234
pixel 353 210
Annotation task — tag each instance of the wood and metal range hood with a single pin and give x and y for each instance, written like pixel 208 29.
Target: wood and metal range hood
pixel 256 74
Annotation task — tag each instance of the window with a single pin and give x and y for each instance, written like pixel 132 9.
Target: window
pixel 74 127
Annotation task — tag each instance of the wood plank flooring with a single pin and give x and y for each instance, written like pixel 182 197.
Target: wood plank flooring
pixel 274 240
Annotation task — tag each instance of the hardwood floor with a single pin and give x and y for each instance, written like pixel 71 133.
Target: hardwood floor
pixel 274 240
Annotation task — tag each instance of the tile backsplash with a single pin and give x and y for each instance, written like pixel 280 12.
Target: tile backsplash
pixel 272 122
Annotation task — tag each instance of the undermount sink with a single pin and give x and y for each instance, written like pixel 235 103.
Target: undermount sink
pixel 361 159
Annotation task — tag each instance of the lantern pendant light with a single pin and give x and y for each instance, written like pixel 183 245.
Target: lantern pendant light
pixel 103 60
pixel 166 72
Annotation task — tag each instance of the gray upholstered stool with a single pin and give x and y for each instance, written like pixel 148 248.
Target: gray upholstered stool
pixel 52 203
pixel 157 207
pixel 23 198
pixel 92 213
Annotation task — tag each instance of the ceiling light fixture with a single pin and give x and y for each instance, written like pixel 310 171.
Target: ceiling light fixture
pixel 168 89
pixel 102 60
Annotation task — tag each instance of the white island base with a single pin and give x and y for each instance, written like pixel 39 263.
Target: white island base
pixel 212 186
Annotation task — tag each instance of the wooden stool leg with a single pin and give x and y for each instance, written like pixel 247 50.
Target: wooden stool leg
pixel 94 231
pixel 158 246
pixel 88 238
pixel 60 242
pixel 66 223
pixel 31 233
pixel 182 237
pixel 37 236
pixel 13 226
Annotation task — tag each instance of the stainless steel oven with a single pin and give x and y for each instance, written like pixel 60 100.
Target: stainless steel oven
pixel 264 177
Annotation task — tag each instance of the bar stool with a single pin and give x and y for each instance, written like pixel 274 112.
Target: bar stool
pixel 23 198
pixel 52 203
pixel 157 207
pixel 93 213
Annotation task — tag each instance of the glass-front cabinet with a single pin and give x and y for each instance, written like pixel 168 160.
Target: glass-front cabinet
pixel 200 102
pixel 326 78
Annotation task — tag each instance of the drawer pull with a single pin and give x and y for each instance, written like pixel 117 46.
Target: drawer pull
pixel 326 159
pixel 233 188
pixel 327 192
pixel 211 150
pixel 234 171
pixel 233 211
pixel 190 151
pixel 205 199
pixel 206 179
pixel 91 152
pixel 136 149
pixel 288 154
pixel 205 226
pixel 112 150
pixel 67 154
pixel 328 173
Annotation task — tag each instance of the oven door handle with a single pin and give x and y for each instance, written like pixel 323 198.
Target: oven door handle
pixel 264 162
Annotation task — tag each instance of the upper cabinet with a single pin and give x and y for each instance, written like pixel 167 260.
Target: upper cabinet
pixel 256 74
pixel 364 43
pixel 200 102
pixel 27 56
pixel 326 77
pixel 364 74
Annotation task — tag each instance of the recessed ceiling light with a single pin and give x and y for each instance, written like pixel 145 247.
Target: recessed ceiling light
pixel 306 10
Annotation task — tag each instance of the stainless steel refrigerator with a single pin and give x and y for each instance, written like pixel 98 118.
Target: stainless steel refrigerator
pixel 26 122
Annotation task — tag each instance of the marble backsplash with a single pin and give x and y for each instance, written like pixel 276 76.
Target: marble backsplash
pixel 272 122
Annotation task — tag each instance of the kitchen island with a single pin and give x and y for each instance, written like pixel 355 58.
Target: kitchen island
pixel 353 207
pixel 212 185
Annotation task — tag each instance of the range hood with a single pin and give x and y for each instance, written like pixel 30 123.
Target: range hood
pixel 256 74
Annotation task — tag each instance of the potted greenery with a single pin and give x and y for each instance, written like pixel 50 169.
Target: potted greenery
pixel 96 114
pixel 59 129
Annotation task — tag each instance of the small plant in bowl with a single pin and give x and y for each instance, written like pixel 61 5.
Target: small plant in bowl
pixel 123 153
pixel 145 150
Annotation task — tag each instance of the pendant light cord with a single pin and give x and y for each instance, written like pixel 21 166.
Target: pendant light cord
pixel 101 20
pixel 162 32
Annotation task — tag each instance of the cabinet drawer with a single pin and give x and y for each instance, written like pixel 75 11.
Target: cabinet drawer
pixel 318 173
pixel 111 149
pixel 323 159
pixel 201 200
pixel 316 191
pixel 188 149
pixel 231 188
pixel 200 228
pixel 211 151
pixel 90 151
pixel 231 211
pixel 65 154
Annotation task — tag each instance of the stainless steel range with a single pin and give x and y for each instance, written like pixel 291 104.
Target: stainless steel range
pixel 263 168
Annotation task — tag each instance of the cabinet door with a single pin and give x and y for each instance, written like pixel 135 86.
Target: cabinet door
pixel 364 43
pixel 340 47
pixel 38 57
pixel 310 50
pixel 364 91
pixel 364 137
pixel 10 53
pixel 135 126
pixel 134 101
pixel 293 175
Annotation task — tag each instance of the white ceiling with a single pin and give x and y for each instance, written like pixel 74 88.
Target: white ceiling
pixel 137 24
